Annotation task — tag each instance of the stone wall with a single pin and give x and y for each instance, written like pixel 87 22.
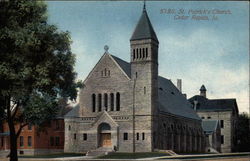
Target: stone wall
pixel 179 134
pixel 226 131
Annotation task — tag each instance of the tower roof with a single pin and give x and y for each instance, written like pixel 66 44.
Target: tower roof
pixel 203 88
pixel 144 28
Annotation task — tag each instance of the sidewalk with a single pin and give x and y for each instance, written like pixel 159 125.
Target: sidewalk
pixel 176 157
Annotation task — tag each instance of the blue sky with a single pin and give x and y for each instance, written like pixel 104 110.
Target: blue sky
pixel 210 52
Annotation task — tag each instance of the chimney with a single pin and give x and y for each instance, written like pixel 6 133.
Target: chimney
pixel 203 91
pixel 179 85
pixel 195 104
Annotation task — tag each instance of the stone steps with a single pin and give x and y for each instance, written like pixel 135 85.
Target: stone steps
pixel 171 152
pixel 99 151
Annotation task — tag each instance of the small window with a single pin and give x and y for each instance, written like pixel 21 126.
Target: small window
pixel 143 136
pixel 29 141
pixel 143 52
pixel 57 125
pixel 75 136
pixel 222 123
pixel 85 136
pixel 137 136
pixel 137 53
pixel 222 139
pixel 144 90
pixel 21 152
pixel 105 72
pixel 135 74
pixel 57 141
pixel 2 141
pixel 125 136
pixel 69 127
pixel 208 117
pixel 29 127
pixel 21 141
pixel 146 52
pixel 202 117
pixel 51 141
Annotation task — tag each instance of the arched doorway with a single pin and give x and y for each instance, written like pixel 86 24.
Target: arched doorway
pixel 104 135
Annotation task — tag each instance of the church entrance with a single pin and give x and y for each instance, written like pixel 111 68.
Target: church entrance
pixel 104 139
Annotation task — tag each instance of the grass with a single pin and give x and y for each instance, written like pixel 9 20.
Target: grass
pixel 56 155
pixel 133 155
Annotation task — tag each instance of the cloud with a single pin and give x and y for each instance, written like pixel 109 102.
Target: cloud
pixel 196 59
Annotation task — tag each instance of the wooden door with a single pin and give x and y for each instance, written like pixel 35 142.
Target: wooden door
pixel 106 140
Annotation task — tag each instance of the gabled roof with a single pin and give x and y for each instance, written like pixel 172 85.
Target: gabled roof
pixel 209 126
pixel 144 29
pixel 172 101
pixel 205 104
pixel 125 66
pixel 64 108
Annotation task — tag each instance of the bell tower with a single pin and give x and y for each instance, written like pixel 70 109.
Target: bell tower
pixel 144 65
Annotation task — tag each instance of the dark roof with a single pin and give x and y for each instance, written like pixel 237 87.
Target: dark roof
pixel 123 64
pixel 64 108
pixel 174 103
pixel 203 88
pixel 209 126
pixel 171 100
pixel 74 112
pixel 144 29
pixel 205 104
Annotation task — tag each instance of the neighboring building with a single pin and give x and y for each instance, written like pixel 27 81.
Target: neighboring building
pixel 128 107
pixel 224 110
pixel 213 135
pixel 34 140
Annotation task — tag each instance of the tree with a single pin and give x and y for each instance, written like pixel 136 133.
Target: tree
pixel 243 133
pixel 36 66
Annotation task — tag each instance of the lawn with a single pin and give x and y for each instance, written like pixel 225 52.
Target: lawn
pixel 57 155
pixel 133 155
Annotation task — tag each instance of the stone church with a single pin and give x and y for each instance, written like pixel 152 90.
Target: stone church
pixel 128 107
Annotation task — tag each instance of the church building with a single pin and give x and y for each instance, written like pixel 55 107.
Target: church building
pixel 128 107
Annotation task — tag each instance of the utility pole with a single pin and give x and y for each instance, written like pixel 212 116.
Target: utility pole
pixel 134 116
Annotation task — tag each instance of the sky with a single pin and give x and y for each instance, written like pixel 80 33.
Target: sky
pixel 212 49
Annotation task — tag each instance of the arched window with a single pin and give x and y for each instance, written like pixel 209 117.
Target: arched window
pixel 93 103
pixel 105 72
pixel 106 101
pixel 146 52
pixel 133 53
pixel 111 101
pixel 140 52
pixel 100 102
pixel 143 52
pixel 137 52
pixel 118 101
